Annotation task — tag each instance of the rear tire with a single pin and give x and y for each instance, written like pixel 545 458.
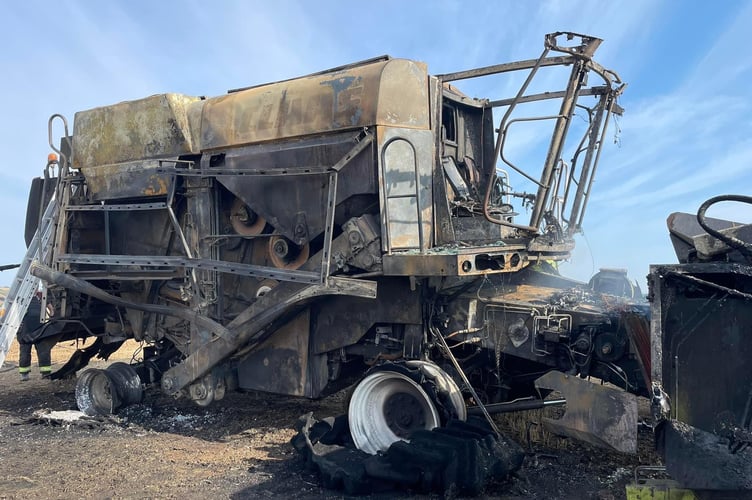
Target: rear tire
pixel 394 400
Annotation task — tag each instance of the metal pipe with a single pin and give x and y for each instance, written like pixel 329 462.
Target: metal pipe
pixel 594 136
pixel 500 140
pixel 557 140
pixel 67 281
pixel 512 406
pixel 742 246
pixel 435 331
pixel 507 67
pixel 612 103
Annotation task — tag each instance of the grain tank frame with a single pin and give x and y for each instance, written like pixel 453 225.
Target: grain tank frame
pixel 288 237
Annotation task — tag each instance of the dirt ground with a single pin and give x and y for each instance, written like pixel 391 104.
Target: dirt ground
pixel 235 448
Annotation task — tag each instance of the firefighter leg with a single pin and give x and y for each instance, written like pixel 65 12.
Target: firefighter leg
pixel 44 356
pixel 24 360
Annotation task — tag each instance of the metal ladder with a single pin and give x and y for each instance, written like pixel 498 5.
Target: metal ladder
pixel 25 285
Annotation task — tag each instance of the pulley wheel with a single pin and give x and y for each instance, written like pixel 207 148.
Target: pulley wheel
pixel 244 220
pixel 285 254
pixel 203 391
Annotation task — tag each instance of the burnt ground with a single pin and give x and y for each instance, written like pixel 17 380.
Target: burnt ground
pixel 236 448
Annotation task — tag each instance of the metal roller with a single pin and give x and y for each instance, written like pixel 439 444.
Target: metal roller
pixel 245 221
pixel 285 254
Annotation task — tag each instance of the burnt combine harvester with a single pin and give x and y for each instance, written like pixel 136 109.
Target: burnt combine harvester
pixel 365 223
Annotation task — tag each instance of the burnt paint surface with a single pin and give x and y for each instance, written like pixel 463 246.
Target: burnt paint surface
pixel 596 414
pixel 132 180
pixel 154 127
pixel 342 321
pixel 279 199
pixel 701 461
pixel 283 365
pixel 707 342
pixel 390 92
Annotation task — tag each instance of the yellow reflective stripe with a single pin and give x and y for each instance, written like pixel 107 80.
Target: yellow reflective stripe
pixel 45 368
pixel 24 369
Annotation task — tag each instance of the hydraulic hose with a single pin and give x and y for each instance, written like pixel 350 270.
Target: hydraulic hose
pixel 743 247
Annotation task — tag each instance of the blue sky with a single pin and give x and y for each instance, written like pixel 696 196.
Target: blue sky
pixel 686 134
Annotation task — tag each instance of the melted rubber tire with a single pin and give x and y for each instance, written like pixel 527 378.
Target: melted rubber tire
pixel 103 392
pixel 96 393
pixel 460 458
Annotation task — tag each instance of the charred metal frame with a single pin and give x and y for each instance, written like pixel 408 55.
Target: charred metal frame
pixel 580 58
pixel 364 140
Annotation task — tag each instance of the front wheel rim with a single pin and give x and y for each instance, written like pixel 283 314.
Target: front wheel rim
pixel 386 407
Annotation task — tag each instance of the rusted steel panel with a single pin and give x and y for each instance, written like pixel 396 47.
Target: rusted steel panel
pixel 638 328
pixel 282 364
pixel 126 180
pixel 390 92
pixel 702 460
pixel 344 320
pixel 599 415
pixel 279 199
pixel 154 127
pixel 451 262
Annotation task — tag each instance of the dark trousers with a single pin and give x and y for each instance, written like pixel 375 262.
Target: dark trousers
pixel 44 357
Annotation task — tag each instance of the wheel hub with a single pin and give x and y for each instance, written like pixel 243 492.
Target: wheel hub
pixel 404 414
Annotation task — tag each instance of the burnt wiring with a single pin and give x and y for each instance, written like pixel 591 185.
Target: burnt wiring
pixel 135 356
pixel 574 353
pixel 619 373
pixel 617 131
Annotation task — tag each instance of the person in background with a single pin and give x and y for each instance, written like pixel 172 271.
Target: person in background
pixel 32 332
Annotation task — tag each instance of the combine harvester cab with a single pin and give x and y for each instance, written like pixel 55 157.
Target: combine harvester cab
pixel 367 222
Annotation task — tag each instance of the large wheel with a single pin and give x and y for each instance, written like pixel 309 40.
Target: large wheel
pixel 396 399
pixel 448 392
pixel 103 392
pixel 96 393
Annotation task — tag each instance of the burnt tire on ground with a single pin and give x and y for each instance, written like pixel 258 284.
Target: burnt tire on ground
pixel 395 399
pixel 460 458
